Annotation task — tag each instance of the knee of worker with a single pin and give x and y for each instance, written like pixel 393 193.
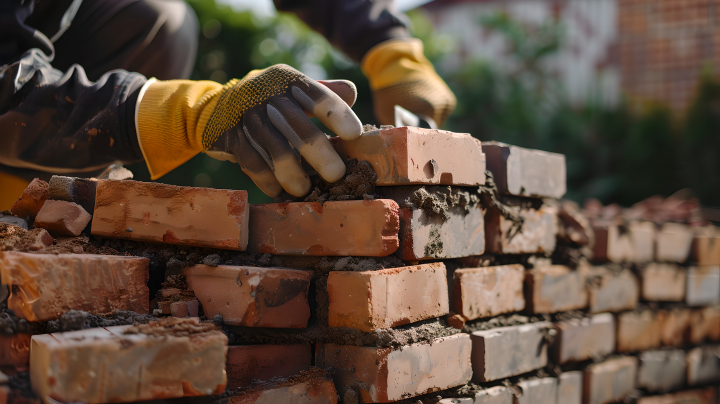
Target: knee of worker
pixel 171 51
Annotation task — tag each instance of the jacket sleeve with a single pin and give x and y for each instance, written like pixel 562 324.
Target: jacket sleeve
pixel 62 122
pixel 353 26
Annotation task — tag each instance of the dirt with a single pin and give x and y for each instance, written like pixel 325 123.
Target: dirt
pixel 358 183
pixel 16 238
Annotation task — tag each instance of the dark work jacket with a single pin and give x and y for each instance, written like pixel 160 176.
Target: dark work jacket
pixel 71 70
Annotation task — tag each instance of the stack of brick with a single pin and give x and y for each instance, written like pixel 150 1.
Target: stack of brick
pixel 439 270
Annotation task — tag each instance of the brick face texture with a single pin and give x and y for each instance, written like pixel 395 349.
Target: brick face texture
pixel 387 298
pixel 43 287
pixel 170 214
pixel 129 363
pixel 362 228
pixel 393 374
pixel 526 172
pixel 581 339
pixel 551 289
pixel 408 155
pixel 489 291
pixel 609 381
pixel 251 296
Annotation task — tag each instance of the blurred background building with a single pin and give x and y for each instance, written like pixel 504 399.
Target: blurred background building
pixel 625 88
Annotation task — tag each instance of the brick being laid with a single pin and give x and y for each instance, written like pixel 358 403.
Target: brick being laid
pixel 612 291
pixel 536 233
pixel 556 288
pixel 146 211
pixel 526 172
pixel 488 291
pixel 409 155
pixel 252 296
pixel 370 300
pixel 248 363
pixel 165 359
pixel 335 228
pixel 509 351
pixel 638 331
pixel 44 286
pixel 609 381
pixel 663 282
pixel 582 339
pixel 387 374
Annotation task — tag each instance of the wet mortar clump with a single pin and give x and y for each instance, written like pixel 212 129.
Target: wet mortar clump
pixel 358 183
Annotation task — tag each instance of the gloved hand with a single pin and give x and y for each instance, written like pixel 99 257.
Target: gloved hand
pixel 400 74
pixel 252 121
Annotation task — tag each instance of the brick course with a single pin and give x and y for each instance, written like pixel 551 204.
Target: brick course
pixel 609 381
pixel 536 235
pixel 551 289
pixel 488 291
pixel 582 339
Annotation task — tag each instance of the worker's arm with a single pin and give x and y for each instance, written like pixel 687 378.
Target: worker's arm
pixel 60 121
pixel 374 34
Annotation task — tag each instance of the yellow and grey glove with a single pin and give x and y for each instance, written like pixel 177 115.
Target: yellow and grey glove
pixel 252 121
pixel 400 74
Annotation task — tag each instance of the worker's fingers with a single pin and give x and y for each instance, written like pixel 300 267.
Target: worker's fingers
pixel 250 161
pixel 287 116
pixel 345 89
pixel 275 150
pixel 328 107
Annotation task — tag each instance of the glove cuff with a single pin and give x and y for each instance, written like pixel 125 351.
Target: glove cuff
pixel 170 117
pixel 395 60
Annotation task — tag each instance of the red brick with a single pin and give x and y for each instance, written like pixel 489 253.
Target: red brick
pixel 62 218
pixel 638 331
pixel 703 286
pixel 705 396
pixel 71 189
pixel 663 283
pixel 387 374
pixel 370 300
pixel 570 386
pixel 43 287
pixel 582 339
pixel 706 246
pixel 145 211
pixel 187 308
pixel 661 371
pixel 705 325
pixel 509 351
pixel 675 326
pixel 488 291
pixel 551 289
pixel 461 234
pixel 247 363
pixel 537 391
pixel 536 235
pixel 360 228
pixel 311 387
pixel 703 365
pixel 609 381
pixel 167 359
pixel 612 291
pixel 252 296
pixel 31 200
pixel 525 172
pixel 15 351
pixel 410 155
pixel 673 243
pixel 616 242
